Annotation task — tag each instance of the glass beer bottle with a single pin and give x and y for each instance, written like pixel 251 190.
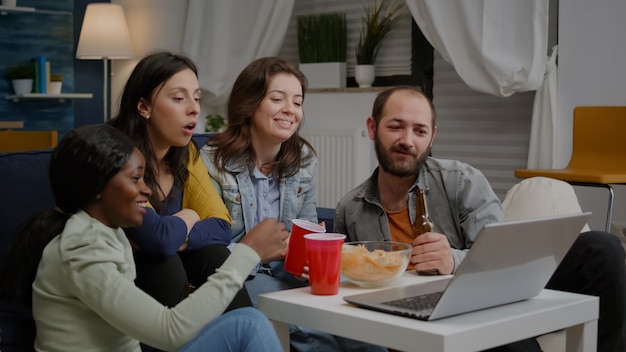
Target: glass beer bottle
pixel 422 223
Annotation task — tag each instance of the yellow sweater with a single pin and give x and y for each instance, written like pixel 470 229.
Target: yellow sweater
pixel 199 193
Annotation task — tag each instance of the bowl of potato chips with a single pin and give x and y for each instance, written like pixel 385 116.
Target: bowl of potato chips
pixel 374 263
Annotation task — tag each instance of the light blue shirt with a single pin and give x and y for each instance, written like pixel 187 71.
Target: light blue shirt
pixel 267 195
pixel 250 197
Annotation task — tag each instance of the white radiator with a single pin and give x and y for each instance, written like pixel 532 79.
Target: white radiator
pixel 344 161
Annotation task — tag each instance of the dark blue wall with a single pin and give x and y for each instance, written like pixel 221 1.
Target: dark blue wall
pixel 25 35
pixel 88 77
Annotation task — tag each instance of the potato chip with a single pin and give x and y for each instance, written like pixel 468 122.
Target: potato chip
pixel 360 265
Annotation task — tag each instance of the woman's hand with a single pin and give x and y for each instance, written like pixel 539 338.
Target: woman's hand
pixel 269 239
pixel 189 216
pixel 183 246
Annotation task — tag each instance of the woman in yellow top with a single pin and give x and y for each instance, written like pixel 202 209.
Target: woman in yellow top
pixel 184 235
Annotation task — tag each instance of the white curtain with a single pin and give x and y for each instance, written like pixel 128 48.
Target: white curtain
pixel 497 47
pixel 222 37
pixel 543 125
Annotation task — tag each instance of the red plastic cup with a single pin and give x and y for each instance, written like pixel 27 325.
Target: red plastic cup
pixel 324 255
pixel 296 254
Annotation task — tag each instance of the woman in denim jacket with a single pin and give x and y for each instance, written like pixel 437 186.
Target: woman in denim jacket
pixel 236 187
pixel 260 165
pixel 262 168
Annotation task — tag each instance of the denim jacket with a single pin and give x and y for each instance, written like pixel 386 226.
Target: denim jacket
pixel 297 193
pixel 460 202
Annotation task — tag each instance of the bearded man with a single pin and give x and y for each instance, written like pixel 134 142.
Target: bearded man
pixel 461 201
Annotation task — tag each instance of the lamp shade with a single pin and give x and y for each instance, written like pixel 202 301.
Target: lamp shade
pixel 104 33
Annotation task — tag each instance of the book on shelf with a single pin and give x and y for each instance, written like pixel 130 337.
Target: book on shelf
pixel 36 81
pixel 42 74
pixel 47 76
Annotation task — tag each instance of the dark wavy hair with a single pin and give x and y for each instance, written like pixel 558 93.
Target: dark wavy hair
pixel 81 166
pixel 245 97
pixel 147 78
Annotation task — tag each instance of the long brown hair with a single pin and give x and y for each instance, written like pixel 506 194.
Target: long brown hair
pixel 247 94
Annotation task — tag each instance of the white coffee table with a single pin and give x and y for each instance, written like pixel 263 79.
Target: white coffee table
pixel 549 311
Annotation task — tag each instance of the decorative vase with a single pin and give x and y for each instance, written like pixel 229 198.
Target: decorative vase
pixel 9 3
pixel 364 75
pixel 55 87
pixel 22 86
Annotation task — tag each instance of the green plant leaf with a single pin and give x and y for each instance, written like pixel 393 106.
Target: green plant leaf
pixel 322 37
pixel 376 25
pixel 214 123
pixel 23 71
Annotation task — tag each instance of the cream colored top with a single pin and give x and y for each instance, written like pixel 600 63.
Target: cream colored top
pixel 85 299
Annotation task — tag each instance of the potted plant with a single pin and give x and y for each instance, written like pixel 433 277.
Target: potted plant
pixel 322 46
pixel 376 25
pixel 56 77
pixel 214 123
pixel 22 77
pixel 56 82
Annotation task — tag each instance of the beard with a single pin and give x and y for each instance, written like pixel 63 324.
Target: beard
pixel 408 167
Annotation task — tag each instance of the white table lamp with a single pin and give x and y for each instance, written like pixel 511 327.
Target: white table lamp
pixel 104 35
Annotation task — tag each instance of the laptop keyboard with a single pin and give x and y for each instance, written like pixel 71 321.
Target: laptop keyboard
pixel 421 305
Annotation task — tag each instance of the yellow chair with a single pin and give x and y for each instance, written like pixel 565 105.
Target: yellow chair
pixel 19 141
pixel 598 152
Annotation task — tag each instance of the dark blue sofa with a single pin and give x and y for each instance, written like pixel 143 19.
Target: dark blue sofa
pixel 24 191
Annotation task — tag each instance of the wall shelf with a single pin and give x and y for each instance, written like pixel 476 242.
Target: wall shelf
pixel 40 96
pixel 7 125
pixel 6 9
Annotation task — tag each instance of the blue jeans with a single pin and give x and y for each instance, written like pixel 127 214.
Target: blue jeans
pixel 244 329
pixel 280 280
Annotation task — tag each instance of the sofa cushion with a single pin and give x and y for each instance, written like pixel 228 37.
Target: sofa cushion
pixel 24 191
pixel 538 197
pixel 17 326
pixel 327 215
pixel 199 139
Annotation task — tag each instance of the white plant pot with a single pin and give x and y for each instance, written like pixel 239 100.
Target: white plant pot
pixel 55 87
pixel 9 3
pixel 325 74
pixel 364 75
pixel 22 86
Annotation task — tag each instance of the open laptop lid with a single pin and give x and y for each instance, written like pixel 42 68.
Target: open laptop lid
pixel 508 262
